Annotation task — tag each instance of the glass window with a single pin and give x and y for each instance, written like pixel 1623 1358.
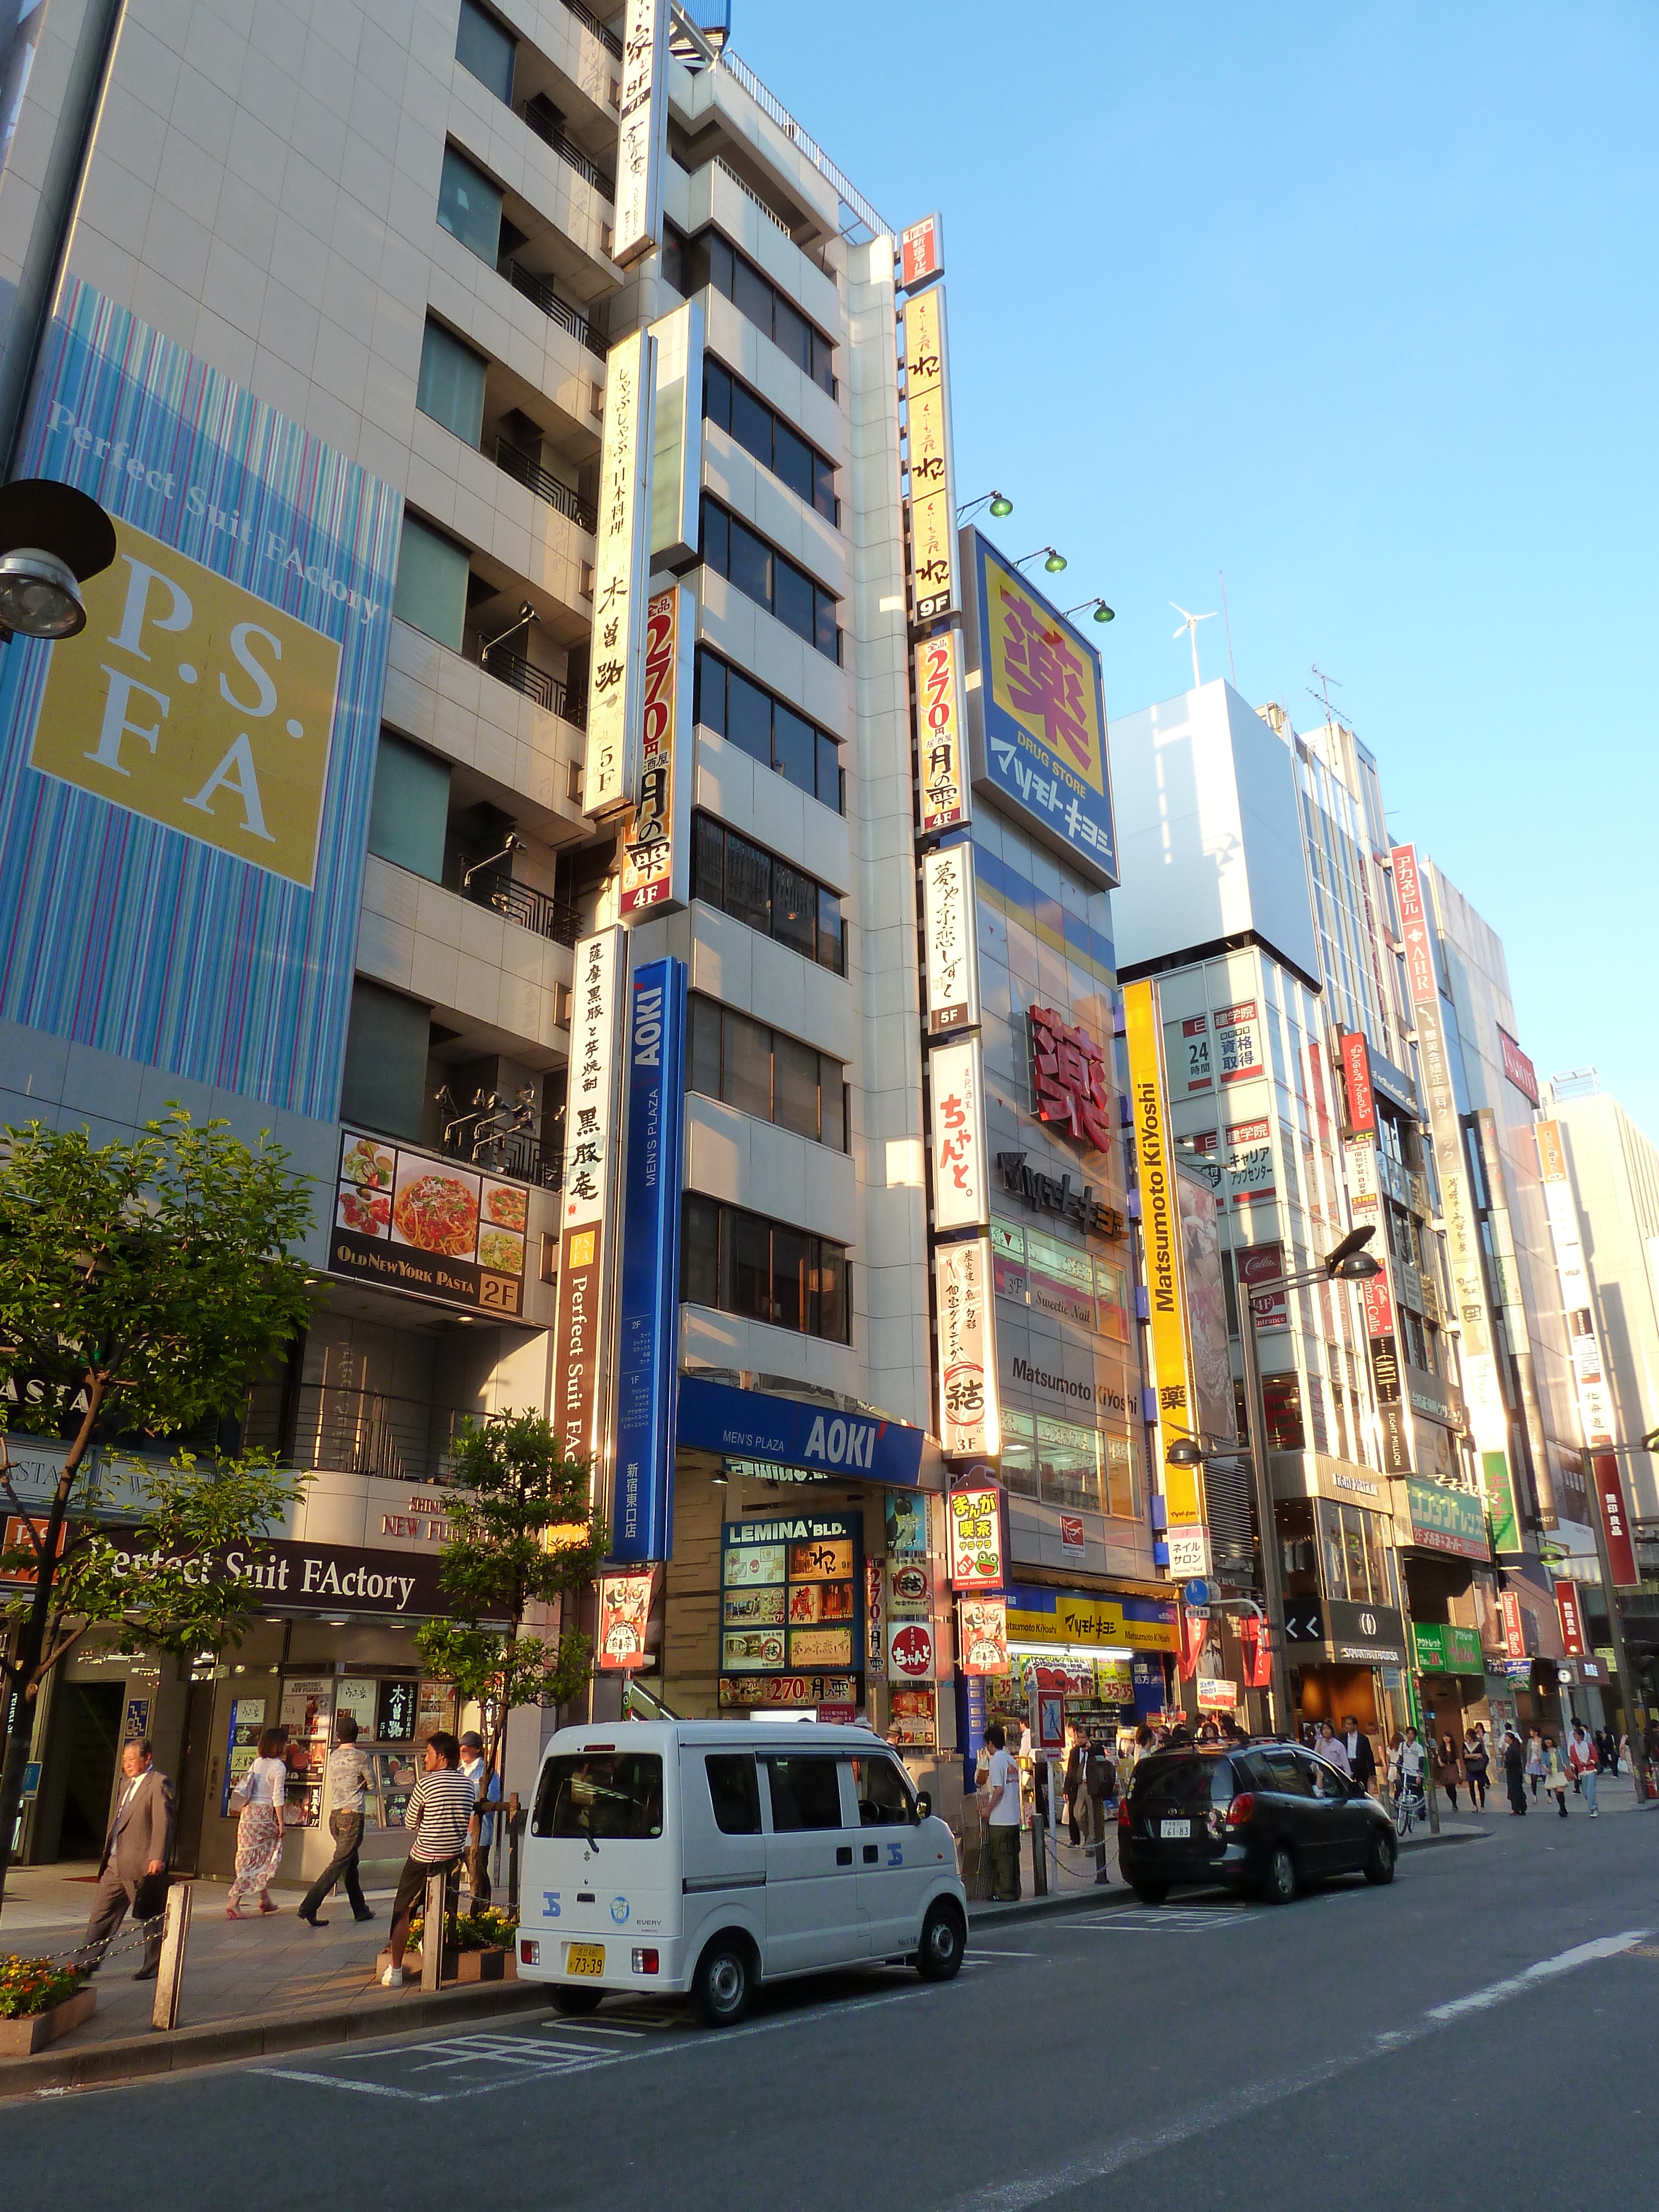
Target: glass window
pixel 709 861
pixel 751 568
pixel 828 781
pixel 832 1098
pixel 410 808
pixel 751 294
pixel 675 260
pixel 748 718
pixel 832 947
pixel 470 206
pixel 806 1793
pixel 792 599
pixel 734 1792
pixel 1119 1472
pixel 792 460
pixel 1353 1547
pixel 483 47
pixel 830 1319
pixel 883 1794
pixel 711 693
pixel 452 384
pixel 823 363
pixel 791 333
pixel 716 539
pixel 431 590
pixel 716 393
pixel 1068 1461
pixel 794 912
pixel 750 1241
pixel 823 488
pixel 613 1795
pixel 795 748
pixel 1288 1772
pixel 792 1273
pixel 825 634
pixel 703 1059
pixel 1283 1403
pixel 1175 1784
pixel 387 1040
pixel 748 883
pixel 1019 1453
pixel 747 1076
pixel 722 264
pixel 795 1086
pixel 751 424
pixel 700 1251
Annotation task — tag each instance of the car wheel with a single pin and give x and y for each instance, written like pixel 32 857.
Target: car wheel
pixel 571 2001
pixel 1151 1892
pixel 1280 1886
pixel 724 1985
pixel 1380 1859
pixel 944 1939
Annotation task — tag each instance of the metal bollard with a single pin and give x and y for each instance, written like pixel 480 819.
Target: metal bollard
pixel 432 1937
pixel 170 1970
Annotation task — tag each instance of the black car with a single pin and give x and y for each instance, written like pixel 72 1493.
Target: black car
pixel 1270 1818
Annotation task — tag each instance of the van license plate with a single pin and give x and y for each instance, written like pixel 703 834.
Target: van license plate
pixel 584 1959
pixel 1175 1828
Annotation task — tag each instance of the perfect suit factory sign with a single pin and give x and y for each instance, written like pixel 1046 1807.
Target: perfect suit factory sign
pixel 185 787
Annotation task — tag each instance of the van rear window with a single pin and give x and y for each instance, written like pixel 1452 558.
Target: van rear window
pixel 600 1796
pixel 734 1791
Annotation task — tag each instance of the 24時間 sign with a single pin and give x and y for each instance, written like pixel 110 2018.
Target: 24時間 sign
pixel 417 1223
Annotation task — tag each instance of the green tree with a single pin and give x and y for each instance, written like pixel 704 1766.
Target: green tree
pixel 522 1532
pixel 142 1286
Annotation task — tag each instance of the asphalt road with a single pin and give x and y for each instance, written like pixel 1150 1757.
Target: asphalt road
pixel 1481 2033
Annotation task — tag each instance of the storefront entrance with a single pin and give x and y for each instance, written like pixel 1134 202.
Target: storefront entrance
pixel 81 1779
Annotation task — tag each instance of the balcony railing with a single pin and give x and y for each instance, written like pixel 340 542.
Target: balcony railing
pixel 353 1432
pixel 590 22
pixel 522 1158
pixel 545 121
pixel 520 902
pixel 549 692
pixel 518 464
pixel 540 294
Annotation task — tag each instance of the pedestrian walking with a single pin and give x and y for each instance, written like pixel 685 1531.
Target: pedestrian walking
pixel 1555 1775
pixel 1362 1758
pixel 1585 1763
pixel 488 1788
pixel 440 1812
pixel 132 1868
pixel 1331 1749
pixel 1513 1758
pixel 1002 1817
pixel 1606 1751
pixel 258 1801
pixel 1477 1766
pixel 1100 1780
pixel 348 1790
pixel 1447 1772
pixel 1535 1762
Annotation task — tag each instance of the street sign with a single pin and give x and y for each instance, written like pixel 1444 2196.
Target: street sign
pixel 1198 1593
pixel 1048 1723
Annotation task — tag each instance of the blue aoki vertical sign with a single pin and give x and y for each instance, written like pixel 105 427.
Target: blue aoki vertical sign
pixel 647 1331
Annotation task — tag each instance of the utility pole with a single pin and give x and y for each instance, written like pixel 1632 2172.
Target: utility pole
pixel 1273 1591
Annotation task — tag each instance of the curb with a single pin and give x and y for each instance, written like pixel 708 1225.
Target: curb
pixel 983 1914
pixel 141 2058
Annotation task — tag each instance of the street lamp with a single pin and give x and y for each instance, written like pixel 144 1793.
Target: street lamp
pixel 52 539
pixel 1347 1262
pixel 998 503
pixel 1054 564
pixel 1103 613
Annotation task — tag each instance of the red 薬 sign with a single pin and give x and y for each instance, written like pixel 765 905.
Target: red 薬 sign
pixel 1068 1072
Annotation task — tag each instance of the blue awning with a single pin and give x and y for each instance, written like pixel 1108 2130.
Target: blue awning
pixel 796 1432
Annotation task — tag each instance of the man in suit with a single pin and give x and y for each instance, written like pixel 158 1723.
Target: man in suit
pixel 1362 1760
pixel 133 1868
pixel 1076 1760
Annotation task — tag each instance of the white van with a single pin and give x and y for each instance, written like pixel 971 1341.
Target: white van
pixel 709 1856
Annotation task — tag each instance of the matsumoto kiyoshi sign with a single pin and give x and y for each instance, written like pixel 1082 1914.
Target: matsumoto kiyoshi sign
pixel 184 791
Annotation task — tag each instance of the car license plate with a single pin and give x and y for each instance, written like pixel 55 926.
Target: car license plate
pixel 1175 1828
pixel 584 1959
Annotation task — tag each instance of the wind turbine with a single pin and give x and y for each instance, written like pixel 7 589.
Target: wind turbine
pixel 1190 624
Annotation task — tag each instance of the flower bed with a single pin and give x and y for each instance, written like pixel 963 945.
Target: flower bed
pixel 39 2000
pixel 483 1951
pixel 484 1928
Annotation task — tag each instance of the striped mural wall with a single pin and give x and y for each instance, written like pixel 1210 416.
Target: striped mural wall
pixel 118 931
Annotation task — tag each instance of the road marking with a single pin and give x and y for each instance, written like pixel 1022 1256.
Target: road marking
pixel 339 2082
pixel 1240 2104
pixel 597 2028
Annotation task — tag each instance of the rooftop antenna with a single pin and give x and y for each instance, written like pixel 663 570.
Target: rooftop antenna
pixel 1227 624
pixel 1190 624
pixel 1323 695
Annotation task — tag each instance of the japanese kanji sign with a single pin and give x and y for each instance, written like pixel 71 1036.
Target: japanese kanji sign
pixel 968 1422
pixel 590 1141
pixel 921 250
pixel 1036 720
pixel 977 1537
pixel 1068 1077
pixel 642 135
pixel 956 1092
pixel 948 926
pixel 939 732
pixel 616 673
pixel 657 851
pixel 929 499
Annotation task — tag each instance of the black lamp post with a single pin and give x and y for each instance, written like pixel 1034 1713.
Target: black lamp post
pixel 52 539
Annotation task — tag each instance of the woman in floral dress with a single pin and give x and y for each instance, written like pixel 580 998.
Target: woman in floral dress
pixel 260 1829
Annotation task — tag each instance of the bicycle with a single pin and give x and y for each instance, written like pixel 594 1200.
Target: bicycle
pixel 1411 1807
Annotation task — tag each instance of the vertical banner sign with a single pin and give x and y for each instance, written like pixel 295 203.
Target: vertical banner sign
pixel 957 1106
pixel 938 715
pixel 978 1543
pixel 1376 1295
pixel 656 860
pixel 930 499
pixel 1357 1085
pixel 1610 1495
pixel 1518 1069
pixel 648 1324
pixel 1515 1626
pixel 591 1118
pixel 1596 1416
pixel 1571 1618
pixel 624 1614
pixel 676 438
pixel 921 252
pixel 948 926
pixel 1160 1228
pixel 616 675
pixel 1489 1421
pixel 642 136
pixel 969 1422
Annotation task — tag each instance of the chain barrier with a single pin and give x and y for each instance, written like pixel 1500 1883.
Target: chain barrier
pixel 132 1937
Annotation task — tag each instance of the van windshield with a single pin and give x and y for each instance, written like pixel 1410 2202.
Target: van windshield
pixel 600 1796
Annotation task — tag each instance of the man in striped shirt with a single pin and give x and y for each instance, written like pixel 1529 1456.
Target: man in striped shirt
pixel 442 1810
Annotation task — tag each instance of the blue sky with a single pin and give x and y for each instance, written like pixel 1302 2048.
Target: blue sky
pixel 1358 305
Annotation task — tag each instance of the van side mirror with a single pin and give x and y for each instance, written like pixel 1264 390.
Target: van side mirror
pixel 924 1806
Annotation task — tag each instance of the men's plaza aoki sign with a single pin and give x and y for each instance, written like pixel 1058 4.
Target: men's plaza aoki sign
pixel 590 1122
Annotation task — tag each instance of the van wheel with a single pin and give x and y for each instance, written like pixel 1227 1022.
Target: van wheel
pixel 944 1939
pixel 1379 1860
pixel 565 1998
pixel 1280 1886
pixel 724 1985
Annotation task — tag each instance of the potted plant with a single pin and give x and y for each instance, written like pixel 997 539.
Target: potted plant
pixel 485 1947
pixel 39 2000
